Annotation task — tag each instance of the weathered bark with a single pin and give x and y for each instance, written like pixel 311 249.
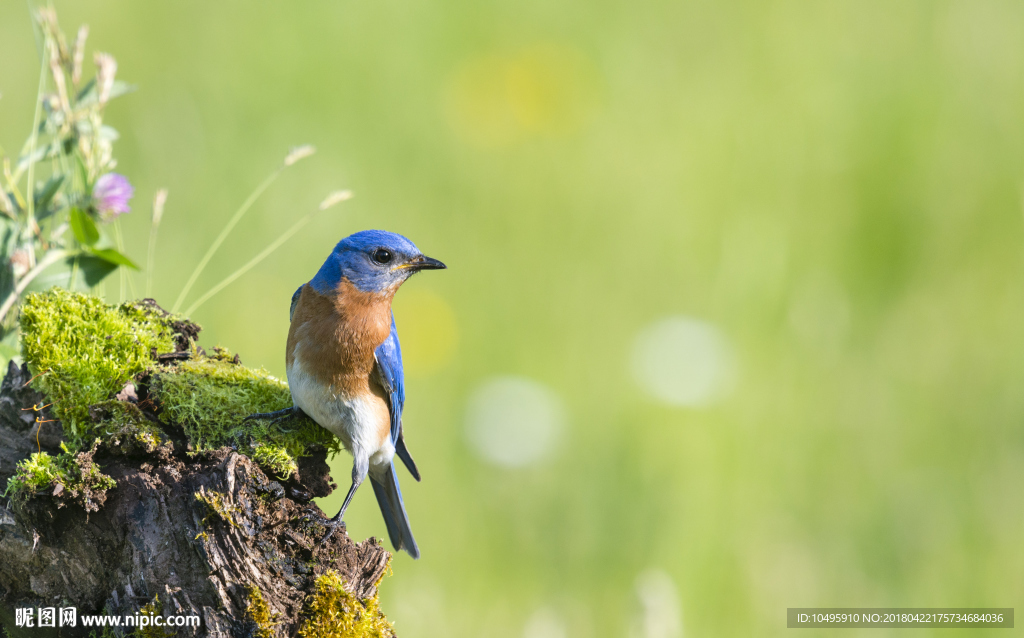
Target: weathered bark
pixel 153 537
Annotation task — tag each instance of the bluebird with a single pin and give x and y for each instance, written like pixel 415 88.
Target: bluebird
pixel 344 364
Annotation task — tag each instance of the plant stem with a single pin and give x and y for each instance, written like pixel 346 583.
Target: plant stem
pixel 51 258
pixel 30 205
pixel 73 277
pixel 224 233
pixel 151 256
pixel 252 262
pixel 125 275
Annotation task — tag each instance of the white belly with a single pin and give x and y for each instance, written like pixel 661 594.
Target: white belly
pixel 354 420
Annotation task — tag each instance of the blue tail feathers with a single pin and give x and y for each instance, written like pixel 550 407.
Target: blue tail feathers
pixel 403 453
pixel 389 497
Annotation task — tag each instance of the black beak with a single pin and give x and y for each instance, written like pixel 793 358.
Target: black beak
pixel 425 263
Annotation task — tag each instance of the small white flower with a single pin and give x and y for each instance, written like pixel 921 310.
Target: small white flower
pixel 20 263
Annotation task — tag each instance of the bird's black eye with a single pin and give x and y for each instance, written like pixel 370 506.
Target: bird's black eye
pixel 382 255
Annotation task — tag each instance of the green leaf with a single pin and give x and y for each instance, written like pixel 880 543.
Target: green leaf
pixel 86 90
pixel 44 195
pixel 121 88
pixel 93 269
pixel 83 172
pixel 109 133
pixel 84 227
pixel 89 94
pixel 114 257
pixel 31 158
pixel 7 205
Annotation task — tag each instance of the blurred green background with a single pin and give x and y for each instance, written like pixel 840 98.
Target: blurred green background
pixel 826 196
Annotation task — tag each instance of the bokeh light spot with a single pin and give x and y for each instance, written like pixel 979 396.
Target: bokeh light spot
pixel 495 100
pixel 428 331
pixel 684 361
pixel 514 421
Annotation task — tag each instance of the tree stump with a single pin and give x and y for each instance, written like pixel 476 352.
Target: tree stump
pixel 205 534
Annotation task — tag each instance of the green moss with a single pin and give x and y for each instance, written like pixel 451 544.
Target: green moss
pixel 258 613
pixel 217 504
pixel 124 428
pixel 34 474
pixel 333 612
pixel 83 351
pixel 205 393
pixel 68 477
pixel 154 608
pixel 210 396
pixel 275 458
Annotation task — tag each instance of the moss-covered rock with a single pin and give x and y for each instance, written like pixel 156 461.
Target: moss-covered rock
pixel 334 612
pixel 82 351
pixel 276 459
pixel 67 477
pixel 86 355
pixel 259 615
pixel 196 514
pixel 209 397
pixel 124 428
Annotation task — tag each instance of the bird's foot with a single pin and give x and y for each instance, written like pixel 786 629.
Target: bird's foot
pixel 330 523
pixel 277 416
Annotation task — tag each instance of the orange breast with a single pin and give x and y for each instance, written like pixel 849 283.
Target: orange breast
pixel 335 335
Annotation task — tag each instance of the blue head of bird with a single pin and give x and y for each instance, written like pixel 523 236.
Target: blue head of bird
pixel 374 261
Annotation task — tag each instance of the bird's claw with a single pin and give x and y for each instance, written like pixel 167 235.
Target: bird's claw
pixel 275 417
pixel 330 523
pixel 331 526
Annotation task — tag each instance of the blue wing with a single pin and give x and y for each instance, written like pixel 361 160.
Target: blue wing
pixel 389 363
pixel 389 368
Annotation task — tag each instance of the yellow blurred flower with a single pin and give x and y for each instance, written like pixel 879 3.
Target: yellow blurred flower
pixel 428 331
pixel 496 100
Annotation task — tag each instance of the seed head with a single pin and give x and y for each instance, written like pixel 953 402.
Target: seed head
pixel 158 205
pixel 106 69
pixel 299 152
pixel 335 198
pixel 57 71
pixel 79 55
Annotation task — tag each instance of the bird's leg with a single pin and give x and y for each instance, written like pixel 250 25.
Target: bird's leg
pixel 360 466
pixel 277 416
